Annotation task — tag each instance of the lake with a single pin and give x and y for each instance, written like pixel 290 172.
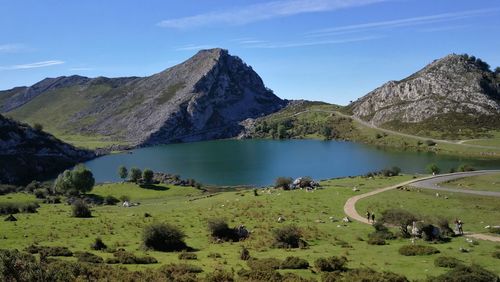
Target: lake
pixel 259 162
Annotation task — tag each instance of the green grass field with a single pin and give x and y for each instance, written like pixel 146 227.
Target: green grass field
pixel 189 209
pixel 490 182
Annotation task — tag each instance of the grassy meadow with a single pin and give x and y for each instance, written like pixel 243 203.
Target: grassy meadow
pixel 189 209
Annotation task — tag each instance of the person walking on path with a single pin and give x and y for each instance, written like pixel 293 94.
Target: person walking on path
pixel 368 216
pixel 373 217
pixel 460 227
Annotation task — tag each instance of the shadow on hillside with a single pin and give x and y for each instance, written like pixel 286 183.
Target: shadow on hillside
pixel 154 187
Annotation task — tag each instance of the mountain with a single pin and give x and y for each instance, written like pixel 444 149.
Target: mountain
pixel 205 97
pixel 27 154
pixel 456 89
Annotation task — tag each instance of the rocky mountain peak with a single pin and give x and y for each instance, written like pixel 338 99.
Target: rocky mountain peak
pixel 459 84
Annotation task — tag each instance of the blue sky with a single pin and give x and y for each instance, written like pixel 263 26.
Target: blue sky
pixel 330 50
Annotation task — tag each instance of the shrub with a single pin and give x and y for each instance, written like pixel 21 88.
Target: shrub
pixel 466 167
pixel 393 171
pixel 110 200
pixel 147 176
pixel 88 257
pixel 430 232
pixel 449 262
pixel 495 230
pixel 417 250
pixel 367 274
pixel 331 264
pixel 81 209
pixel 496 254
pixel 444 226
pixel 288 237
pixel 38 127
pixel 294 263
pixel 433 168
pixel 187 256
pixel 40 193
pixel 399 217
pixel 98 245
pixel 219 229
pixel 376 240
pixel 55 251
pixel 135 174
pixel 13 208
pixel 259 275
pixel 283 182
pixel 17 266
pixel 125 257
pixel 219 276
pixel 214 255
pixel 180 272
pixel 163 237
pixel 264 264
pixel 430 143
pixel 467 273
pixel 244 254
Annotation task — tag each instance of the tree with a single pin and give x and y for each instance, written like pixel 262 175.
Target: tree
pixel 38 127
pixel 123 172
pixel 147 176
pixel 281 131
pixel 283 182
pixel 497 70
pixel 76 181
pixel 163 237
pixel 135 174
pixel 433 168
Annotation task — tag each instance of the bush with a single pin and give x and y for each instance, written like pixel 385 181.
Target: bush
pixel 125 257
pixel 88 257
pixel 187 256
pixel 110 200
pixel 496 254
pixel 393 171
pixel 81 209
pixel 289 237
pixel 283 182
pixel 244 254
pixel 163 237
pixel 98 245
pixel 135 174
pixel 219 276
pixel 449 262
pixel 264 264
pixel 331 264
pixel 49 251
pixel 445 228
pixel 367 274
pixel 399 217
pixel 17 266
pixel 147 176
pixel 259 275
pixel 40 193
pixel 430 143
pixel 466 273
pixel 13 208
pixel 376 240
pixel 180 272
pixel 38 127
pixel 294 263
pixel 219 229
pixel 466 167
pixel 417 250
pixel 433 168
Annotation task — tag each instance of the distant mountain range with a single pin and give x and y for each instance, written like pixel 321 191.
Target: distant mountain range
pixel 202 98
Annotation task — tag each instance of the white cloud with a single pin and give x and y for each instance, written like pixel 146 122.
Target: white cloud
pixel 191 47
pixel 271 45
pixel 32 65
pixel 423 20
pixel 263 11
pixel 11 48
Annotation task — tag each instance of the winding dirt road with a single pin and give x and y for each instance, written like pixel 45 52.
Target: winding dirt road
pixel 350 205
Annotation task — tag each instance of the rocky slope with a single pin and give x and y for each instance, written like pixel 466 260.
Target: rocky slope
pixel 27 154
pixel 456 86
pixel 202 98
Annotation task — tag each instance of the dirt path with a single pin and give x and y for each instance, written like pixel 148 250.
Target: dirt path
pixel 350 205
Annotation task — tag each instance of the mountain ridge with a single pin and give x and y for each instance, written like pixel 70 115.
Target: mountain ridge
pixel 203 98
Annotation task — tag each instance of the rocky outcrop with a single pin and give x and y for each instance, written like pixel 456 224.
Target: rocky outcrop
pixel 457 84
pixel 27 154
pixel 202 98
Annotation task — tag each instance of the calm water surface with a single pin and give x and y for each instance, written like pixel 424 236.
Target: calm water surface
pixel 259 162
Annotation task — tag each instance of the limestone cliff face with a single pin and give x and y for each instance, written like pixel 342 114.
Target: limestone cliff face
pixel 455 83
pixel 27 154
pixel 202 98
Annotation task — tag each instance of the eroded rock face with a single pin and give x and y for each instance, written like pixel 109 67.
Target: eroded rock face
pixel 27 154
pixel 202 98
pixel 455 83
